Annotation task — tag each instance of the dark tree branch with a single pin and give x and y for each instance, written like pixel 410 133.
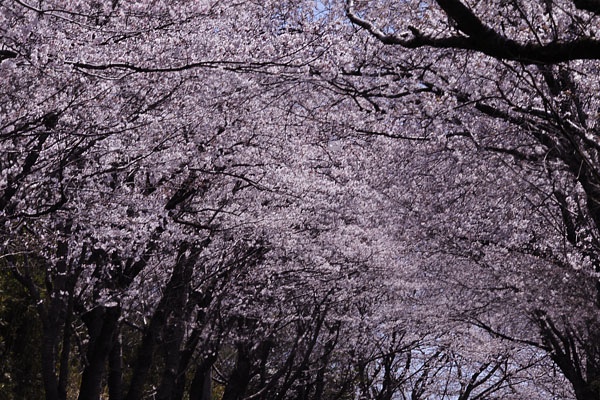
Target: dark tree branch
pixel 588 5
pixel 5 54
pixel 242 66
pixel 484 39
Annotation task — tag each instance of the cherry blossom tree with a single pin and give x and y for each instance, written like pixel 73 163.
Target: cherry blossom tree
pixel 169 191
pixel 511 96
pixel 299 199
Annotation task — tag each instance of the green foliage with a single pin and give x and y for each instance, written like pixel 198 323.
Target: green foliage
pixel 217 391
pixel 20 336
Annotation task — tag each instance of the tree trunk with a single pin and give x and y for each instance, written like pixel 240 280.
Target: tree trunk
pixel 115 369
pixel 173 339
pixel 201 387
pixel 240 376
pixel 50 334
pixel 171 302
pixel 102 324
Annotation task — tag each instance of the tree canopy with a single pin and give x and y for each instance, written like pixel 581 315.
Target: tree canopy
pixel 300 199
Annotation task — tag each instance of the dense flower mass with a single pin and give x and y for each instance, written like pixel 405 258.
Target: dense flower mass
pixel 300 199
